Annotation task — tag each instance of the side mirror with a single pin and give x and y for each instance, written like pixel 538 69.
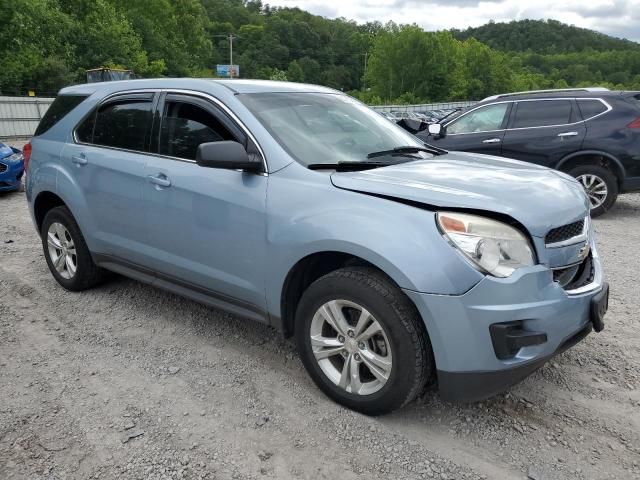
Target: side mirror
pixel 226 154
pixel 435 129
pixel 412 125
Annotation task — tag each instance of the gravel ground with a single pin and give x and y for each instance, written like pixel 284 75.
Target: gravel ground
pixel 127 381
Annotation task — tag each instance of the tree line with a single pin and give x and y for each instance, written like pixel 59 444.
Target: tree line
pixel 47 44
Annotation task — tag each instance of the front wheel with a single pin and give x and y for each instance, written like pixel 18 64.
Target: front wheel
pixel 362 341
pixel 600 185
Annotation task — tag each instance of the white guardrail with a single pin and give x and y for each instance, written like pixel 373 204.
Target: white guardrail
pixel 19 116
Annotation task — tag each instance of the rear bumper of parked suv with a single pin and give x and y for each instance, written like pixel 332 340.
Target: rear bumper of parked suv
pixel 503 329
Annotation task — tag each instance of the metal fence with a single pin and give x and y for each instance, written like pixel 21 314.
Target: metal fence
pixel 19 116
pixel 425 107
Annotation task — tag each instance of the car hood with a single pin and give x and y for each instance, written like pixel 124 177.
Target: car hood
pixel 5 151
pixel 537 197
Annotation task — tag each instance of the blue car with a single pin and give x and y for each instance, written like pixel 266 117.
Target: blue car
pixel 394 264
pixel 11 168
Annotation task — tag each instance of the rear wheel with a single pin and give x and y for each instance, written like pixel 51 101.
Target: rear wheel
pixel 600 185
pixel 362 341
pixel 67 253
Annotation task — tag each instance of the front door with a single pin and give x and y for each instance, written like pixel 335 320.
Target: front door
pixel 206 226
pixel 480 130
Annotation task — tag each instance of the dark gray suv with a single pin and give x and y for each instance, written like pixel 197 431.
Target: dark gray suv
pixel 593 134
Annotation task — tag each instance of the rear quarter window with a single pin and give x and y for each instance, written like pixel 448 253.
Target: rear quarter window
pixel 59 109
pixel 591 108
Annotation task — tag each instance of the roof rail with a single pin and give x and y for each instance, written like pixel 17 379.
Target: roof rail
pixel 552 90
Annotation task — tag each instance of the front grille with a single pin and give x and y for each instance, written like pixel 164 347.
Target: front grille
pixel 565 232
pixel 575 276
pixel 3 168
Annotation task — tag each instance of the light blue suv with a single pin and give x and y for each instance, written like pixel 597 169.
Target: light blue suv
pixel 393 263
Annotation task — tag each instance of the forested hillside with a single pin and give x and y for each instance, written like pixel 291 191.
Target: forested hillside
pixel 542 36
pixel 47 44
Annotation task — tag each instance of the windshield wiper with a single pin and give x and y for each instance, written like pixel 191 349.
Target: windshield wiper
pixel 346 166
pixel 404 151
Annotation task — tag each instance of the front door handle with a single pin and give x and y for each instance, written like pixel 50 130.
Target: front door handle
pixel 160 180
pixel 568 134
pixel 79 159
pixel 491 140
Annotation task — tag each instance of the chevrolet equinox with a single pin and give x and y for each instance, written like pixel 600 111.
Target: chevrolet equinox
pixel 393 263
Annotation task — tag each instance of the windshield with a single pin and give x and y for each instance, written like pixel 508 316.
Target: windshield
pixel 325 128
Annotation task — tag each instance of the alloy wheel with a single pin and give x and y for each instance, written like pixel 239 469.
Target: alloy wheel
pixel 351 347
pixel 595 187
pixel 62 250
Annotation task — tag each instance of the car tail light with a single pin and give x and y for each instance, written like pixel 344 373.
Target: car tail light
pixel 26 155
pixel 634 124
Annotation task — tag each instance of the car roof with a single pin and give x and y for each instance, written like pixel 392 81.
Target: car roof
pixel 233 85
pixel 591 92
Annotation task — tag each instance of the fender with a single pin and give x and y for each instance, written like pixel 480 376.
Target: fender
pixel 403 241
pixel 593 152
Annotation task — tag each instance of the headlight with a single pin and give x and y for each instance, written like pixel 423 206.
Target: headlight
pixel 16 157
pixel 495 247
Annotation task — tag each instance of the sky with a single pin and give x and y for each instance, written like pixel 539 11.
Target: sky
pixel 619 18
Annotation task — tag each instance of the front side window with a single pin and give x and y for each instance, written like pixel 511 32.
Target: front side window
pixel 185 126
pixel 325 128
pixel 483 119
pixel 121 124
pixel 542 113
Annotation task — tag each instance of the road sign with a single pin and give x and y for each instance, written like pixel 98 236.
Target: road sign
pixel 228 70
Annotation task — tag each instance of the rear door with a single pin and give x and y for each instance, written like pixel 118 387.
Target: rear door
pixel 207 226
pixel 108 159
pixel 480 130
pixel 543 131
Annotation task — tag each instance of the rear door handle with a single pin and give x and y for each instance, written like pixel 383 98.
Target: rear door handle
pixel 568 134
pixel 160 180
pixel 79 159
pixel 491 140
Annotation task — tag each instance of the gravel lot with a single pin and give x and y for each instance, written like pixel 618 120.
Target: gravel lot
pixel 127 381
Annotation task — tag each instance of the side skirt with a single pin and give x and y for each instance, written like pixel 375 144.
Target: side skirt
pixel 197 293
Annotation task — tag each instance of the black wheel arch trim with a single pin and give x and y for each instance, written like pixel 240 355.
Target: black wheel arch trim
pixel 580 153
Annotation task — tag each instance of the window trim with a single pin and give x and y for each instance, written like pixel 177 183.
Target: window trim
pixel 605 103
pixel 211 109
pixel 505 120
pixel 109 99
pixel 609 108
pixel 178 91
pixel 574 113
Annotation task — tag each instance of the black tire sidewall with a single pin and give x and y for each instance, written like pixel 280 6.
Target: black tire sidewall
pixel 85 265
pixel 403 348
pixel 609 179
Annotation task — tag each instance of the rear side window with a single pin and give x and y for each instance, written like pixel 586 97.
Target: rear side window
pixel 60 107
pixel 591 108
pixel 542 113
pixel 121 124
pixel 185 127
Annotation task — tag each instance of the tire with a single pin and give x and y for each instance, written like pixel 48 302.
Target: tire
pixel 402 333
pixel 87 274
pixel 601 174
